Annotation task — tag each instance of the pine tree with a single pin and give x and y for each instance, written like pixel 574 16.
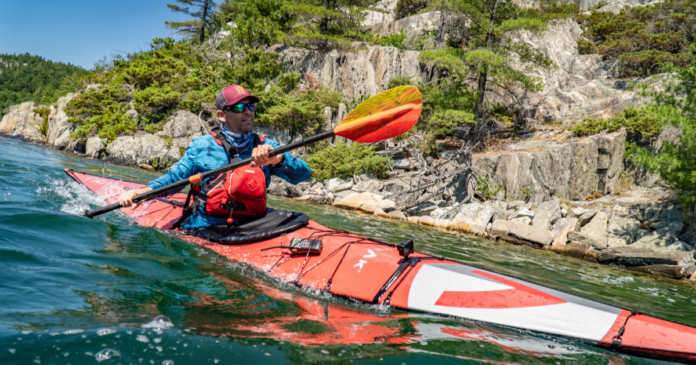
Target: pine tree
pixel 480 48
pixel 675 161
pixel 202 14
pixel 328 23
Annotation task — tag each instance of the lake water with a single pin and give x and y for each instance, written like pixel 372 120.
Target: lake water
pixel 80 291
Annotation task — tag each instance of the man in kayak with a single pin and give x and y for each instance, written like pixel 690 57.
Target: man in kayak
pixel 235 110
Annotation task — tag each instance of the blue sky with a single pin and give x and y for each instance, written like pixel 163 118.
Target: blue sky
pixel 82 32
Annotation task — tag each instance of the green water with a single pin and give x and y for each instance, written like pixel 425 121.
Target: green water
pixel 79 291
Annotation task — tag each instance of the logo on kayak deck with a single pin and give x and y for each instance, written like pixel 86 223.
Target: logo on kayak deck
pixel 95 180
pixel 362 262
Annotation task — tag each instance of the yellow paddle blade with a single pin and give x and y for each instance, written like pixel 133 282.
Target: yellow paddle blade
pixel 386 115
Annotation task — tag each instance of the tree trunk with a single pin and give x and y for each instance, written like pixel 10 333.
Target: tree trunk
pixel 203 18
pixel 324 24
pixel 482 81
pixel 483 75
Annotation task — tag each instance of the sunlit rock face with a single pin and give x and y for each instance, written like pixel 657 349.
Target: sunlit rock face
pixel 21 121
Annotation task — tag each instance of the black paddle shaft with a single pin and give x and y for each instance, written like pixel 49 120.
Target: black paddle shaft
pixel 205 175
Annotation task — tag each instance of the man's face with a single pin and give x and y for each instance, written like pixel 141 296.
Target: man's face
pixel 238 122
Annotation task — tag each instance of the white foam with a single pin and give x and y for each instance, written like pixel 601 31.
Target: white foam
pixel 106 354
pixel 78 197
pixel 105 331
pixel 160 322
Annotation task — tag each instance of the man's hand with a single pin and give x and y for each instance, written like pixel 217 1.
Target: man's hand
pixel 260 156
pixel 126 199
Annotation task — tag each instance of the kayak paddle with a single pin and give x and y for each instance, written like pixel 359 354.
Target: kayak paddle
pixel 388 114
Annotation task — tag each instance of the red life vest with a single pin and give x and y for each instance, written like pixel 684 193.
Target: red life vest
pixel 240 193
pixel 237 194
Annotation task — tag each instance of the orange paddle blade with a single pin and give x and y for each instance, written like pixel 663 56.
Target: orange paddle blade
pixel 386 115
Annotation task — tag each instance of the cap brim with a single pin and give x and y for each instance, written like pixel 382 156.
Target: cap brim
pixel 252 99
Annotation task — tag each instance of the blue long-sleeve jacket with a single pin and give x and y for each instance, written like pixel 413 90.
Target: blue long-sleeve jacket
pixel 204 154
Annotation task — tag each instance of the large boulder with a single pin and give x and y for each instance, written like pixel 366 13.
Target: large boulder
pixel 318 194
pixel 21 121
pixel 182 124
pixel 673 264
pixel 560 232
pixel 547 213
pixel 138 149
pixel 473 218
pixel 365 183
pixel 595 233
pixel 283 188
pixel 95 146
pixel 622 230
pixel 525 234
pixel 368 202
pixel 335 185
pixel 181 128
pixel 661 243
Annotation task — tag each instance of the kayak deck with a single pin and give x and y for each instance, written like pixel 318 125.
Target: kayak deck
pixel 359 268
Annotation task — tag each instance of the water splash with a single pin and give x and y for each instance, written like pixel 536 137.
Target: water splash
pixel 106 354
pixel 76 197
pixel 105 331
pixel 617 281
pixel 160 322
pixel 73 332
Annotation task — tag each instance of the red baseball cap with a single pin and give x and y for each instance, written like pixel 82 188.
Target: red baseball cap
pixel 232 95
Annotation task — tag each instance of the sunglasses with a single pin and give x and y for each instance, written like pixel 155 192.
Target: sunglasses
pixel 239 108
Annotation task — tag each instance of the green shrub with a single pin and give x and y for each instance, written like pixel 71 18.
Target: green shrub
pixel 254 65
pixel 643 38
pixel 101 111
pixel 344 161
pixel 553 9
pixel 156 101
pixel 405 8
pixel 640 122
pixel 486 188
pixel 43 112
pixel 649 62
pixel 446 105
pixel 391 40
pixel 300 112
pixel 586 47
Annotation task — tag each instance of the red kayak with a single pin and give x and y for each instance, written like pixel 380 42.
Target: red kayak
pixel 375 272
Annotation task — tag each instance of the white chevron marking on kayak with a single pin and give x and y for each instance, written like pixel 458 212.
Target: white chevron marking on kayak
pixel 372 254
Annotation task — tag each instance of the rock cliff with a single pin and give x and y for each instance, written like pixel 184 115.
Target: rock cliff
pixel 363 72
pixel 22 122
pixel 548 169
pixel 582 86
pixel 59 128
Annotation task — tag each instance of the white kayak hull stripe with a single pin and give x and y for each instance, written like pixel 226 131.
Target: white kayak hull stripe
pixel 566 315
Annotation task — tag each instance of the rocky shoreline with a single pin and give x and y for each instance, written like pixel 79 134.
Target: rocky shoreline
pixel 642 229
pixel 579 204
